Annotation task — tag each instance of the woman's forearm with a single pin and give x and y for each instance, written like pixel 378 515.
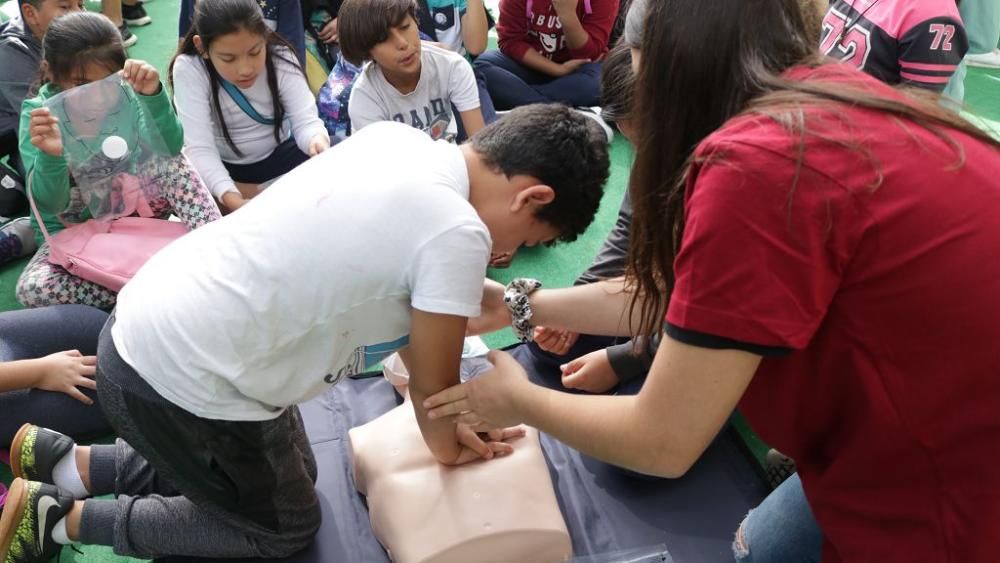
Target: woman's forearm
pixel 596 308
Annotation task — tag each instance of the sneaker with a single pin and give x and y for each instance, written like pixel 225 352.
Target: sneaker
pixel 778 467
pixel 595 114
pixel 128 39
pixel 31 512
pixel 35 452
pixel 135 15
pixel 984 60
pixel 17 240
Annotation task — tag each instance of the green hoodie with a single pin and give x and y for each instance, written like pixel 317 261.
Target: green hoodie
pixel 48 175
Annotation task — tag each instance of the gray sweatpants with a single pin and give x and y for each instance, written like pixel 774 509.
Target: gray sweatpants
pixel 192 486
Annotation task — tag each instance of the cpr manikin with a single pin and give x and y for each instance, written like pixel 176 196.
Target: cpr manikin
pixel 501 510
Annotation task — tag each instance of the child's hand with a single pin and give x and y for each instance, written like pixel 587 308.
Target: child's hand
pixel 319 143
pixel 475 448
pixel 329 32
pixel 65 371
pixel 141 75
pixel 554 340
pixel 233 200
pixel 44 131
pixel 591 372
pixel 570 66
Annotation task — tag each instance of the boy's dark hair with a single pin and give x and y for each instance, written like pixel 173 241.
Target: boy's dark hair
pixel 35 3
pixel 362 24
pixel 75 40
pixel 215 18
pixel 617 84
pixel 560 148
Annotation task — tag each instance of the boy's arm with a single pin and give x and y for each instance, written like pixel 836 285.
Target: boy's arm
pixel 464 93
pixel 432 359
pixel 474 27
pixel 167 124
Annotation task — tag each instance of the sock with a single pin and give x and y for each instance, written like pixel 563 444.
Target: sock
pixel 59 534
pixel 67 477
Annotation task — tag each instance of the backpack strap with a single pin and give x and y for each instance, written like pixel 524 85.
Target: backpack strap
pixel 243 102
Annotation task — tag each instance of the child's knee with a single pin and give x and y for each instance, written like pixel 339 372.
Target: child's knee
pixel 741 548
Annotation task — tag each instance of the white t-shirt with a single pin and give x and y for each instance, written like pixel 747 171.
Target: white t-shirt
pixel 204 142
pixel 311 281
pixel 445 78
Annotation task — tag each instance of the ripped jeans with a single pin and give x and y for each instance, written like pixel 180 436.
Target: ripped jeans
pixel 781 529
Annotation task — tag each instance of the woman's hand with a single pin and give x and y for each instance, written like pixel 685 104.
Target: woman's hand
pixel 492 400
pixel 141 75
pixel 65 371
pixel 591 372
pixel 329 32
pixel 319 143
pixel 474 447
pixel 555 340
pixel 43 128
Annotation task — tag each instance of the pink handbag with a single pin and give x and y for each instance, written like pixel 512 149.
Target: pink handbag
pixel 109 251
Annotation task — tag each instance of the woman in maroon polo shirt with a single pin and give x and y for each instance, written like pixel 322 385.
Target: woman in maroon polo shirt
pixel 820 249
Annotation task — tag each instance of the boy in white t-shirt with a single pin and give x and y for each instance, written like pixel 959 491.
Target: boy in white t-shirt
pixel 405 80
pixel 223 332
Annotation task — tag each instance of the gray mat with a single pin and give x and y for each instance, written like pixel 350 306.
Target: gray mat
pixel 611 515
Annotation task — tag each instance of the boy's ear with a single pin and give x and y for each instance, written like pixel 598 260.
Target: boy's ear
pixel 200 46
pixel 532 196
pixel 29 13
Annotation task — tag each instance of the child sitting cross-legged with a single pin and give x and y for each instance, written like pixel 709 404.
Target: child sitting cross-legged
pixel 405 80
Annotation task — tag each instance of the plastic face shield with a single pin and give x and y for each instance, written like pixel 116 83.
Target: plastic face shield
pixel 107 132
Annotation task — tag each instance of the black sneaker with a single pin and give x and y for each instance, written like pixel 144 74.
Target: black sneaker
pixel 31 512
pixel 777 465
pixel 35 452
pixel 127 38
pixel 135 15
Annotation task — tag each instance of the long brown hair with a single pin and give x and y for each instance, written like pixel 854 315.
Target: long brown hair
pixel 702 63
pixel 215 18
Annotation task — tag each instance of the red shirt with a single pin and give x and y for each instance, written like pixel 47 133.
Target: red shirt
pixel 533 24
pixel 881 271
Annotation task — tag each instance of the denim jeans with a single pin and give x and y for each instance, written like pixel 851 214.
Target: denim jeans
pixel 511 84
pixel 781 529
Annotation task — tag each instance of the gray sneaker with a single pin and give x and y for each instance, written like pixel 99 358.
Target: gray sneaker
pixel 17 239
pixel 128 39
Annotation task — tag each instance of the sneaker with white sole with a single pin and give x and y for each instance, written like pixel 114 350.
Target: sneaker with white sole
pixel 128 38
pixel 984 60
pixel 17 239
pixel 135 15
pixel 31 512
pixel 595 114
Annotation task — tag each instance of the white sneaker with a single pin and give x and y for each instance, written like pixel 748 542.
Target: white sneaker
pixel 595 114
pixel 984 60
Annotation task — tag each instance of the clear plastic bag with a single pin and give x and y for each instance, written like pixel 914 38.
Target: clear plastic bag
pixel 107 132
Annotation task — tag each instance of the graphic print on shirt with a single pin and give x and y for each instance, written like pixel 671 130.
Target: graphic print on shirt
pixel 366 357
pixel 920 44
pixel 433 119
pixel 548 29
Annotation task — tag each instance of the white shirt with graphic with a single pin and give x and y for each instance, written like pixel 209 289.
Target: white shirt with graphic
pixel 313 280
pixel 446 78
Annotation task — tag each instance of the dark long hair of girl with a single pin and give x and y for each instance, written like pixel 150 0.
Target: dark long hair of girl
pixel 702 63
pixel 215 18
